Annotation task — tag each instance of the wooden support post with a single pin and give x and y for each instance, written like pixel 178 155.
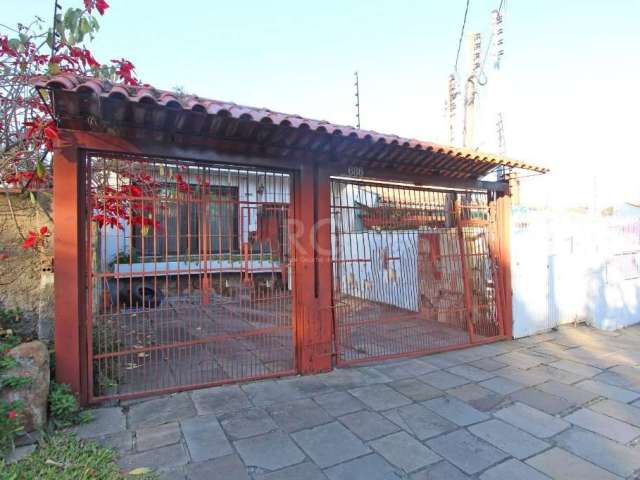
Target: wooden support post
pixel 69 269
pixel 313 324
pixel 503 219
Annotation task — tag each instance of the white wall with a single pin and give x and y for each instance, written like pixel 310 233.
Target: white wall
pixel 569 266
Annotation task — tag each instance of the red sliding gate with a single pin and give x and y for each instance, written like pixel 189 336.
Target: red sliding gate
pixel 415 270
pixel 188 275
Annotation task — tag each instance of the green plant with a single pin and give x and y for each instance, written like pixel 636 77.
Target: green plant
pixel 10 412
pixel 10 425
pixel 64 408
pixel 64 457
pixel 124 257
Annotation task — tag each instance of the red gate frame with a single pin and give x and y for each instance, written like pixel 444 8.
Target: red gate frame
pixel 312 310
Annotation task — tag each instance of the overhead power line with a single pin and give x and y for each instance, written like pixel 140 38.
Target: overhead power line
pixel 464 23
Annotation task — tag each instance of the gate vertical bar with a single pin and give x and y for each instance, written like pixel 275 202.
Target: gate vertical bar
pixel 466 282
pixel 69 265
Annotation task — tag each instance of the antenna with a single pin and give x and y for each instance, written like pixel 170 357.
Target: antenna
pixel 470 91
pixel 54 31
pixel 357 85
pixel 452 93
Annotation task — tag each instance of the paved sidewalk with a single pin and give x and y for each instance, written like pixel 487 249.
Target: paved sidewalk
pixel 564 404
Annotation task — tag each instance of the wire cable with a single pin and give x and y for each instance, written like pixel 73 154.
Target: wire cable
pixel 464 23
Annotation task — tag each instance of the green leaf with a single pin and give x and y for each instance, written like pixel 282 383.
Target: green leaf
pixel 32 197
pixel 40 170
pixel 14 43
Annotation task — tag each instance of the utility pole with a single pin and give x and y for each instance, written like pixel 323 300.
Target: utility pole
pixel 450 110
pixel 357 85
pixel 470 91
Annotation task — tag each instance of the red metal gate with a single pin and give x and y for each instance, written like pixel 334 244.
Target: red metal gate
pixel 189 280
pixel 414 269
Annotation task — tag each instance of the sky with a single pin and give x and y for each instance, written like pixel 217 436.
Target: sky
pixel 568 88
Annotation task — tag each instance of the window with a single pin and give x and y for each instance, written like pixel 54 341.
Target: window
pixel 191 224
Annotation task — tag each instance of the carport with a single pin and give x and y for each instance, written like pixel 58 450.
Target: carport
pixel 201 242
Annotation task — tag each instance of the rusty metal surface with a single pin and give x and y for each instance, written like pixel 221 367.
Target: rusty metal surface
pixel 412 270
pixel 189 282
pixel 84 103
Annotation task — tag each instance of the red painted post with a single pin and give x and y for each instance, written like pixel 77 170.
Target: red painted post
pixel 69 267
pixel 313 323
pixel 503 206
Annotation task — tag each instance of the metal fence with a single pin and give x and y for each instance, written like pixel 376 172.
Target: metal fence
pixel 412 269
pixel 188 275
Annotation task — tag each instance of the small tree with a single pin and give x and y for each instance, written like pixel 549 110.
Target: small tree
pixel 27 128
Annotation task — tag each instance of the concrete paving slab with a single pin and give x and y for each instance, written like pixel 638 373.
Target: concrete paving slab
pixel 509 439
pixel 619 459
pixel 368 425
pixel 298 415
pixel 621 411
pixel 419 421
pixel 406 368
pixel 247 423
pixel 501 385
pixel 478 397
pixel 158 436
pixel 443 380
pixel 523 377
pixel 271 451
pixel 562 465
pixel 609 391
pixel 455 411
pixel 531 420
pixel 488 364
pixel 380 397
pixel 220 400
pixel 337 404
pixel 104 421
pixel 543 401
pixel 577 368
pixel 205 438
pixel 575 395
pixel 471 373
pixel 161 410
pixel 159 458
pixel 415 389
pixel 604 425
pixel 440 471
pixel 330 444
pixel 223 468
pixel 302 471
pixel 369 467
pixel 404 451
pixel 511 470
pixel 467 452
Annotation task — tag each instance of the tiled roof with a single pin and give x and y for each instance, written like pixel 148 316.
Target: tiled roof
pixel 77 97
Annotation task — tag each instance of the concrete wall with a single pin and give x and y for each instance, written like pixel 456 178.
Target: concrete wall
pixel 573 266
pixel 26 281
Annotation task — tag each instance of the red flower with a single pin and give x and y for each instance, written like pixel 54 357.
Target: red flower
pixel 35 239
pixel 100 5
pixel 12 414
pixel 124 70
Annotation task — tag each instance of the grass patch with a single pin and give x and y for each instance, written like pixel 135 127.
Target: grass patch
pixel 64 457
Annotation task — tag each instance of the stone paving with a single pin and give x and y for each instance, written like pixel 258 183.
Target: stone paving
pixel 564 404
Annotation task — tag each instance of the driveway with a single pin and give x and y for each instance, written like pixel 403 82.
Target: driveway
pixel 564 404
